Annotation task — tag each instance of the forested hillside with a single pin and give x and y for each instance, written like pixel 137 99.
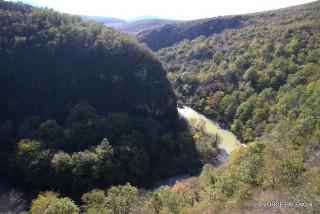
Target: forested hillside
pixel 258 75
pixel 83 106
pixel 169 34
pixel 242 77
pixel 262 81
pixel 43 48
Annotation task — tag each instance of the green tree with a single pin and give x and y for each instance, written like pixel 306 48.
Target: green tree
pixel 40 204
pixel 63 206
pixel 290 172
pixel 155 203
pixel 50 203
pixel 95 201
pixel 51 133
pixel 122 199
pixel 32 161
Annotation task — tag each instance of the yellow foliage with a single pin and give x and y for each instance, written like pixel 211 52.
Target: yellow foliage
pixel 43 200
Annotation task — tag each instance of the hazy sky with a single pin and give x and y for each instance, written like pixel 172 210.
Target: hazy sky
pixel 171 9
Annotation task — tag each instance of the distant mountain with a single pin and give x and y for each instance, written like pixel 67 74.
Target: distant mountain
pixel 140 18
pixel 171 33
pixel 110 21
pixel 143 25
pixel 134 26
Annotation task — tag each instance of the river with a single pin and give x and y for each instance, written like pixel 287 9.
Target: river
pixel 227 143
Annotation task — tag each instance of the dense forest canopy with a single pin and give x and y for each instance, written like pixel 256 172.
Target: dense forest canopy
pixel 260 78
pixel 239 76
pixel 41 48
pixel 83 106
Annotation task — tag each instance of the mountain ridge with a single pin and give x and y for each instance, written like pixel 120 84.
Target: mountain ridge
pixel 169 34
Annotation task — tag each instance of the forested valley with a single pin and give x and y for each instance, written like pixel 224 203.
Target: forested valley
pixel 88 117
pixel 83 106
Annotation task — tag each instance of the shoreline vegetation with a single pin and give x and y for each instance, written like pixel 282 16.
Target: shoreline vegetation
pixel 227 143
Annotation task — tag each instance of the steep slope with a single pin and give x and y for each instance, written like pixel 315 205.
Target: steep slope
pixel 170 34
pixel 218 74
pixel 83 106
pixel 58 61
pixel 262 80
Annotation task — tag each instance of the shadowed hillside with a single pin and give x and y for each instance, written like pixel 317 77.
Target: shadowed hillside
pixel 170 34
pixel 83 106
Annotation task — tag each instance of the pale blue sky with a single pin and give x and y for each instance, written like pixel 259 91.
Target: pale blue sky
pixel 171 9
